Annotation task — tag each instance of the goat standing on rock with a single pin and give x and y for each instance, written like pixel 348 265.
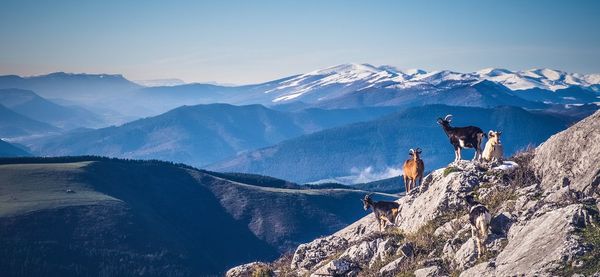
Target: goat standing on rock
pixel 384 211
pixel 413 169
pixel 493 150
pixel 479 218
pixel 463 137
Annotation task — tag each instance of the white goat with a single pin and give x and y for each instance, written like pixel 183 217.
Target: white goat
pixel 493 150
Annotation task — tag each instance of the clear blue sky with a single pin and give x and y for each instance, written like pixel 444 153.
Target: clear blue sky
pixel 254 41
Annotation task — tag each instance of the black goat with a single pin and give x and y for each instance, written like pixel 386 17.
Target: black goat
pixel 384 211
pixel 463 137
pixel 479 218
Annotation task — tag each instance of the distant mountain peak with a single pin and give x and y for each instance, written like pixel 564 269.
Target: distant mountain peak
pixel 345 68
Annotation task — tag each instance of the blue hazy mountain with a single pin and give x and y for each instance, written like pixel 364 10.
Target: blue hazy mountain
pixel 382 145
pixel 28 103
pixel 13 124
pixel 201 134
pixel 84 215
pixel 72 86
pixel 9 150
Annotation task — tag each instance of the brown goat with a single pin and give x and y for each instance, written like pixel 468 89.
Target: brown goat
pixel 413 170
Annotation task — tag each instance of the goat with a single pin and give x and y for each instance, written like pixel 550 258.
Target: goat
pixel 413 170
pixel 493 150
pixel 479 218
pixel 384 211
pixel 463 137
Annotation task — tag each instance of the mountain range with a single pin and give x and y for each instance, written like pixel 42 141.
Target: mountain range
pixel 9 150
pixel 13 125
pixel 199 135
pixel 30 104
pixel 342 86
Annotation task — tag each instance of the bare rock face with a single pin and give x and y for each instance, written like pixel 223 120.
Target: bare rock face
pixel 536 246
pixel 466 256
pixel 338 267
pixel 246 270
pixel 571 158
pixel 391 267
pixel 432 271
pixel 308 255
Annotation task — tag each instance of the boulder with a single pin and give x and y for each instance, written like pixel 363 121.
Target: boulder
pixel 466 255
pixel 390 268
pixel 501 223
pixel 247 270
pixel 337 267
pixel 308 255
pixel 536 246
pixel 432 271
pixel 385 248
pixel 572 158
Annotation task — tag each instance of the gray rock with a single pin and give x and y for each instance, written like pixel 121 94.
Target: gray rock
pixel 432 271
pixel 537 246
pixel 338 267
pixel 392 267
pixel 361 252
pixel 384 249
pixel 466 255
pixel 501 223
pixel 245 270
pixel 572 158
pixel 308 255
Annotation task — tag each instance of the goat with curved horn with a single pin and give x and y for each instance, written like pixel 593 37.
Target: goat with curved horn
pixel 463 137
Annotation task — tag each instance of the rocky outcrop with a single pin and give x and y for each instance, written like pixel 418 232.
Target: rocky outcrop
pixel 537 246
pixel 250 270
pixel 571 158
pixel 544 220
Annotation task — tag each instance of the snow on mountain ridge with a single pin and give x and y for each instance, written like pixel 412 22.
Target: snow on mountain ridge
pixel 345 78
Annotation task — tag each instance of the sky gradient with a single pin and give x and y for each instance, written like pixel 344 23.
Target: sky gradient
pixel 253 41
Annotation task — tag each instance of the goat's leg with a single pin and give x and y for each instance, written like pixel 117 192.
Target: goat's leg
pixel 382 225
pixel 478 241
pixel 387 220
pixel 459 154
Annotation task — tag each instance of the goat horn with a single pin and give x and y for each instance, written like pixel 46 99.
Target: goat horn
pixel 448 117
pixel 411 151
pixel 419 150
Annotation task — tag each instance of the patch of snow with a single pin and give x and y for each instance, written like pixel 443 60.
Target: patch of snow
pixel 507 165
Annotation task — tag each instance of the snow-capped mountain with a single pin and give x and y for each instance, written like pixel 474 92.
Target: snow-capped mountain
pixel 334 82
pixel 548 79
